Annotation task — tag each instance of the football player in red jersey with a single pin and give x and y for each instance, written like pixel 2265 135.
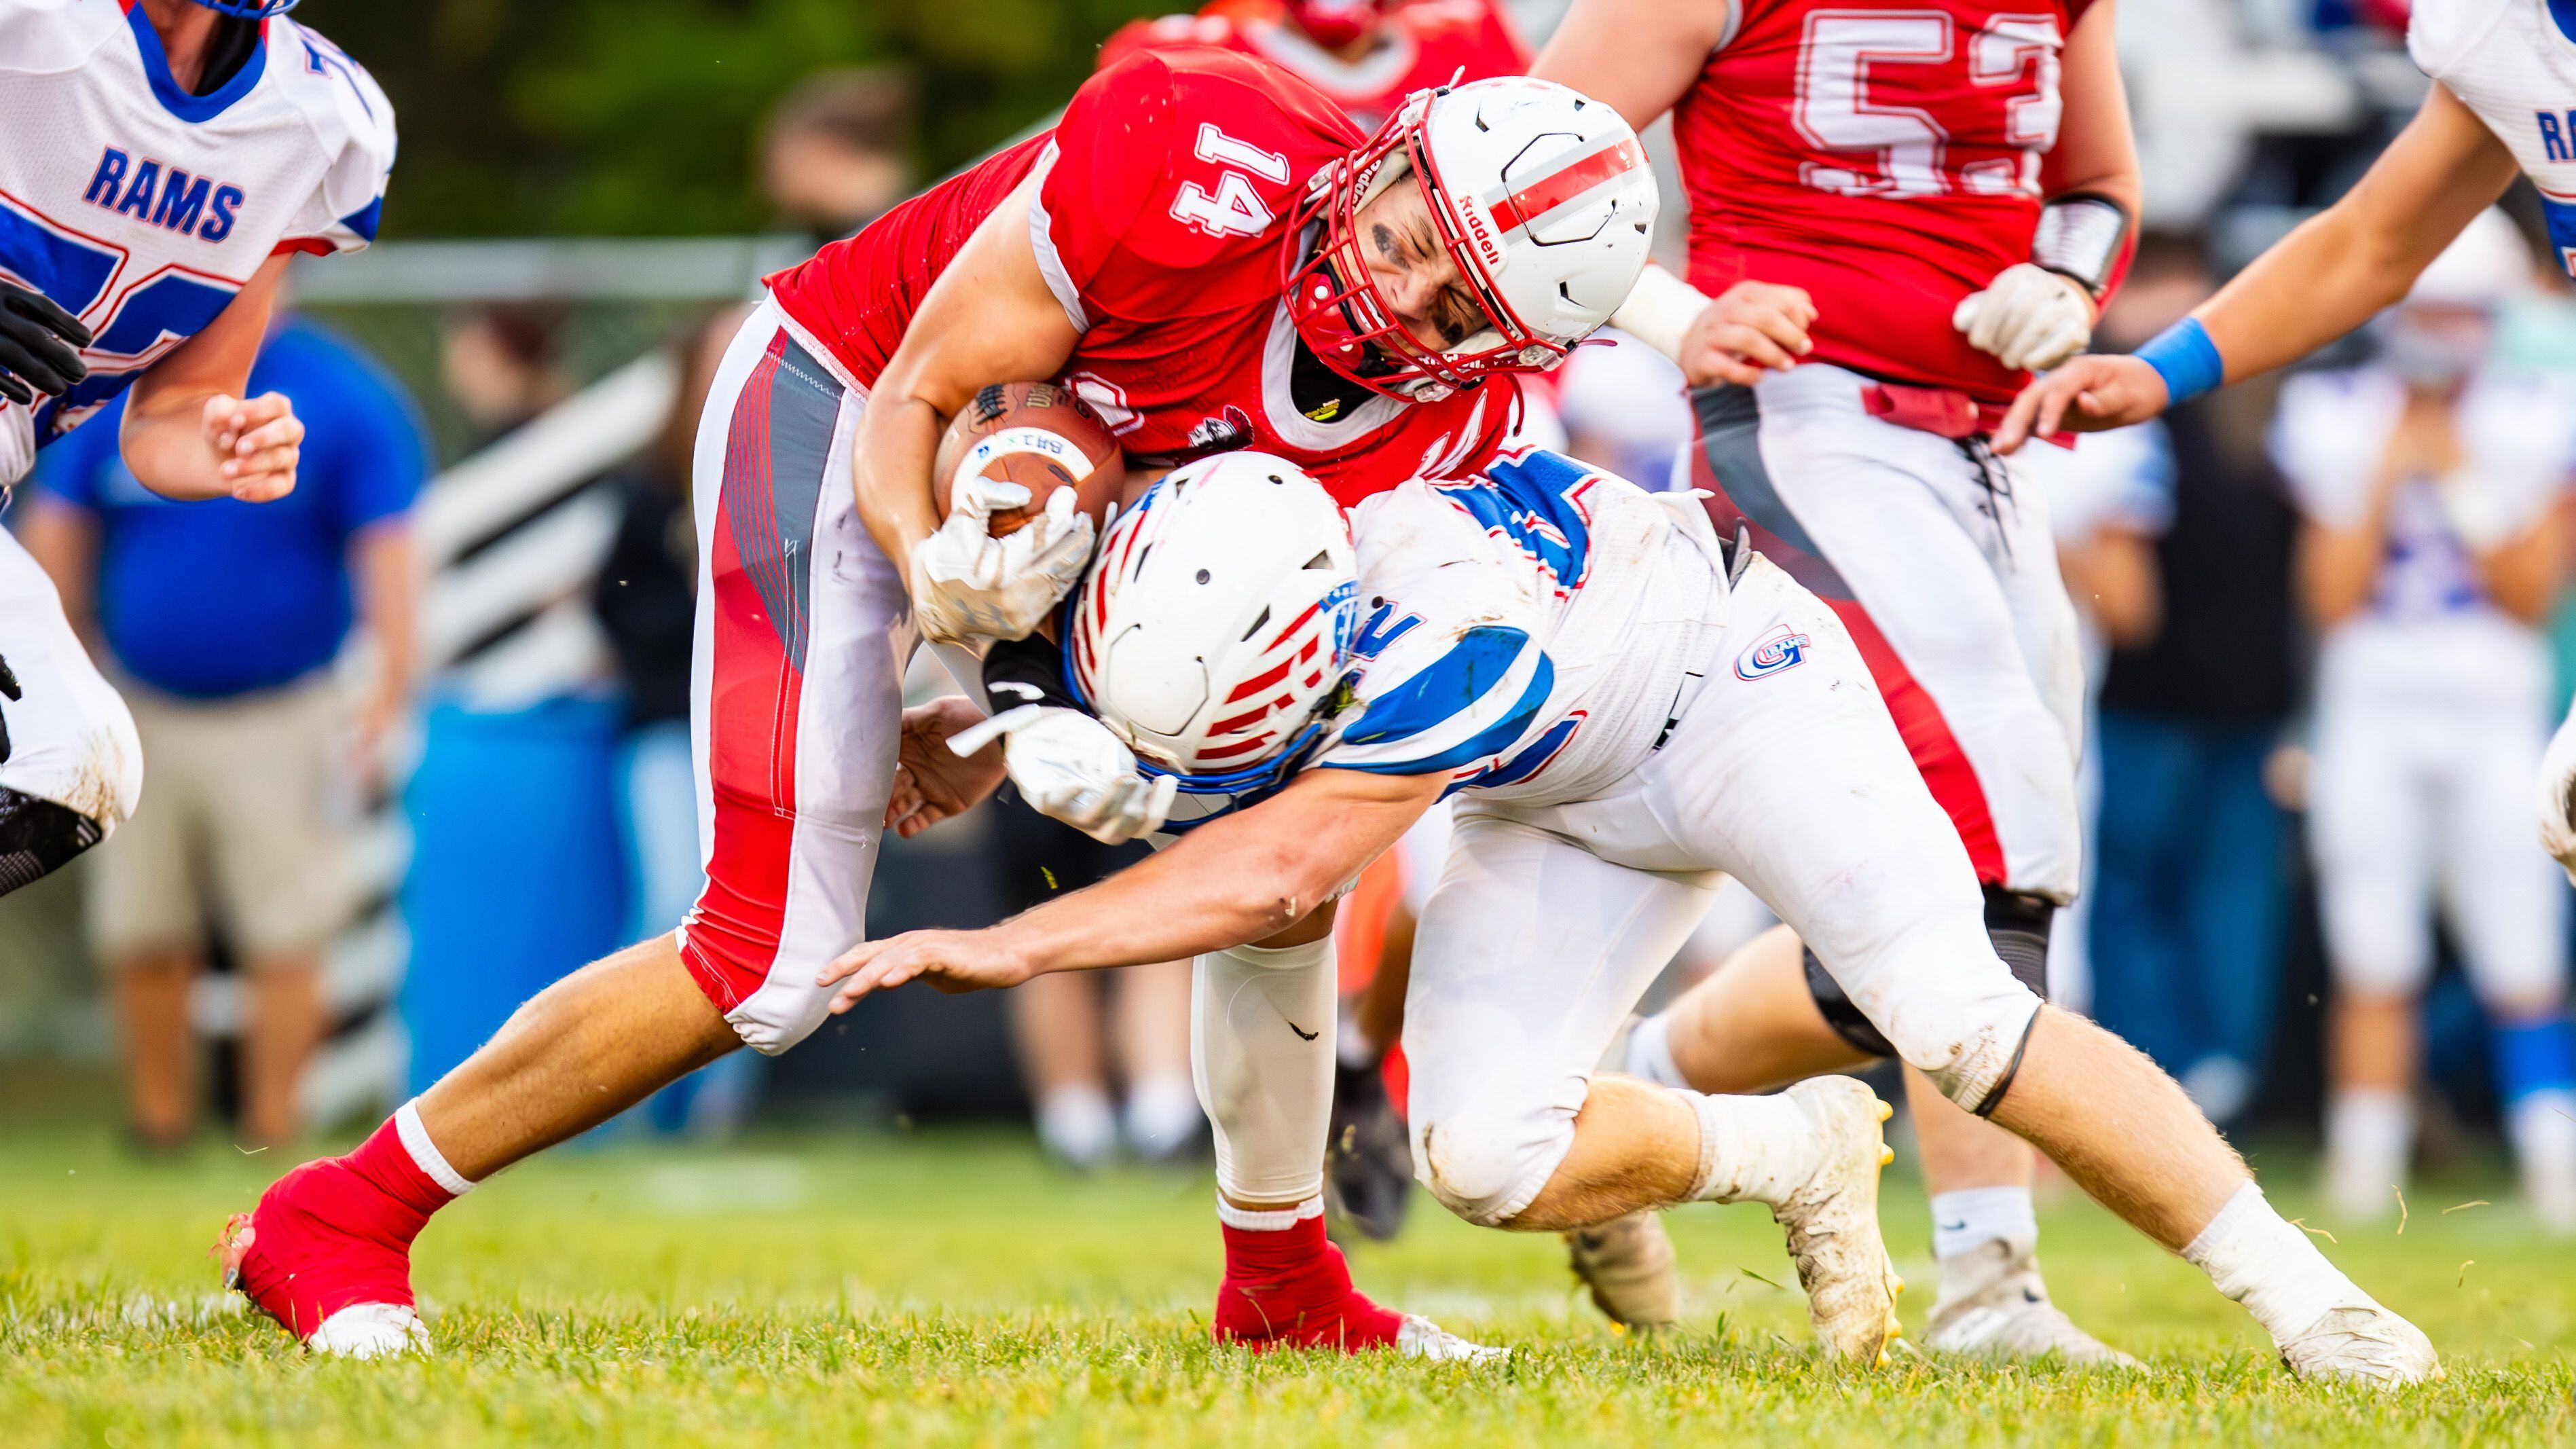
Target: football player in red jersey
pixel 1212 254
pixel 1365 55
pixel 1950 187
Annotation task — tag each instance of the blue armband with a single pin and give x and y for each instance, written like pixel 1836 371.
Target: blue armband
pixel 2186 359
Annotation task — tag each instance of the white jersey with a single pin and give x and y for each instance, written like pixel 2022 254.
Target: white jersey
pixel 2514 63
pixel 2428 630
pixel 1530 631
pixel 141 209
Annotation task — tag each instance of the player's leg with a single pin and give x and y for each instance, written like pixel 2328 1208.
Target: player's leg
pixel 1937 557
pixel 1531 954
pixel 2371 834
pixel 1263 1053
pixel 1875 881
pixel 1370 1167
pixel 70 764
pixel 801 636
pixel 2509 913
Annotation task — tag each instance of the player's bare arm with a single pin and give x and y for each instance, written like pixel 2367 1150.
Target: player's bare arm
pixel 1641 57
pixel 931 781
pixel 2334 272
pixel 1244 878
pixel 189 433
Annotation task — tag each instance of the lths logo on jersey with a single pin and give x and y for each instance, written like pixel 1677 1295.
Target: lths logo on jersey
pixel 1773 652
pixel 189 205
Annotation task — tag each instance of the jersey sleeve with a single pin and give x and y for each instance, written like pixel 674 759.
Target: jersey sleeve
pixel 1453 669
pixel 1167 166
pixel 355 122
pixel 2440 32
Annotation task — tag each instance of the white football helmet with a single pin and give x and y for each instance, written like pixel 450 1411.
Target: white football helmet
pixel 1214 627
pixel 1544 200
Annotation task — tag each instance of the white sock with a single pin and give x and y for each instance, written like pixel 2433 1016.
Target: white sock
pixel 2370 1133
pixel 1967 1220
pixel 1650 1053
pixel 1275 1220
pixel 1752 1149
pixel 424 1153
pixel 1162 1114
pixel 2270 1266
pixel 1075 1123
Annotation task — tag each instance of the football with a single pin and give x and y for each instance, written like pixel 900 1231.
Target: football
pixel 1038 435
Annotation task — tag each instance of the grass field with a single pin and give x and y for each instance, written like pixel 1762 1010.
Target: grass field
pixel 946 1287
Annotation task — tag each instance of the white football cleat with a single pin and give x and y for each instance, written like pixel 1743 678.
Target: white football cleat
pixel 371 1330
pixel 2362 1343
pixel 1421 1338
pixel 1628 1264
pixel 1994 1304
pixel 1832 1220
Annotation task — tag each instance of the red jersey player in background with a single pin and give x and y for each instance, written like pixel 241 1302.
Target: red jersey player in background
pixel 1946 189
pixel 1366 56
pixel 1210 252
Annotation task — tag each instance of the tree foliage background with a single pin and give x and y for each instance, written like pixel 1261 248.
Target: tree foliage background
pixel 640 117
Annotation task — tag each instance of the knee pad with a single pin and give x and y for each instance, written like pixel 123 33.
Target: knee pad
pixel 1486 1166
pixel 38 837
pixel 2016 923
pixel 1262 1036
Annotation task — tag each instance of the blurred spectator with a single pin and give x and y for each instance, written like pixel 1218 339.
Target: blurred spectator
pixel 2189 892
pixel 221 620
pixel 834 155
pixel 1622 405
pixel 1068 1040
pixel 646 599
pixel 501 367
pixel 2432 484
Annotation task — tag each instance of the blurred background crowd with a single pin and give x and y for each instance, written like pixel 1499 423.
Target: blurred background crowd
pixel 419 734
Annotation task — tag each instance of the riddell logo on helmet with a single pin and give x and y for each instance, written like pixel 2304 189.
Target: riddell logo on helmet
pixel 1481 230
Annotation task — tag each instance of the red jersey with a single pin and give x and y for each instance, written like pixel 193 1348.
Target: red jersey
pixel 1159 223
pixel 1889 160
pixel 1426 43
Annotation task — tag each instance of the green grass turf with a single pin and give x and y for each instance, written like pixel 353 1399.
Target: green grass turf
pixel 946 1287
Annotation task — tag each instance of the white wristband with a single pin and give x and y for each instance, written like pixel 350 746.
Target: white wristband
pixel 1660 310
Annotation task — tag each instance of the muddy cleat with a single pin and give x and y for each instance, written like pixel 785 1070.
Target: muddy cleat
pixel 1423 1339
pixel 1994 1304
pixel 1628 1264
pixel 2362 1343
pixel 1368 1166
pixel 1832 1220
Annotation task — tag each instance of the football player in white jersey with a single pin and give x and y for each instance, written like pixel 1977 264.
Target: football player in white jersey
pixel 1625 712
pixel 160 163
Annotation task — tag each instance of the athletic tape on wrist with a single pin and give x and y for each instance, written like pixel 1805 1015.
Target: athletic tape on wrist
pixel 2186 359
pixel 2079 237
pixel 1660 310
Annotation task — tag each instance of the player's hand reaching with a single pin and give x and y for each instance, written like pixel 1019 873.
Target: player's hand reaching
pixel 967 584
pixel 934 781
pixel 2090 394
pixel 256 442
pixel 1071 768
pixel 40 346
pixel 2027 317
pixel 952 961
pixel 1750 329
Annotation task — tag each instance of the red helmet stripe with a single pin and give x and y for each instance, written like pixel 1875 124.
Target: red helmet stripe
pixel 1260 682
pixel 1244 720
pixel 1284 635
pixel 1566 183
pixel 1227 752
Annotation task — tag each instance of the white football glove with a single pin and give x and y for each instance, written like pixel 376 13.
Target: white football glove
pixel 967 584
pixel 2028 317
pixel 1069 767
pixel 2557 777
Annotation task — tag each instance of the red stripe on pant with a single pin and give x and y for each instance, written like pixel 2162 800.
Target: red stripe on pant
pixel 732 933
pixel 1937 755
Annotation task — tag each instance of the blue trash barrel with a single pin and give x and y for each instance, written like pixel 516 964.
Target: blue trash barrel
pixel 517 874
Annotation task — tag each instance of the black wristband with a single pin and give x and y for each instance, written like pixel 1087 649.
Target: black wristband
pixel 1026 671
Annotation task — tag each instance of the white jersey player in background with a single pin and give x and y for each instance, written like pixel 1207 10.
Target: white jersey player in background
pixel 2431 483
pixel 2503 102
pixel 1624 710
pixel 160 163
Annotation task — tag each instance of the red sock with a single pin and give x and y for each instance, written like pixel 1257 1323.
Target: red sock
pixel 338 1231
pixel 1291 1287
